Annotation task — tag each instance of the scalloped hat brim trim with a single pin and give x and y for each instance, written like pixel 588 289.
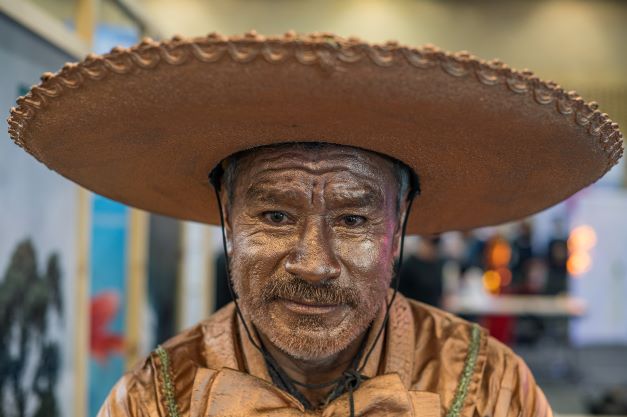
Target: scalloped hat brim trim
pixel 444 114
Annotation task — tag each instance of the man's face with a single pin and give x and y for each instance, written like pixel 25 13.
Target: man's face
pixel 312 238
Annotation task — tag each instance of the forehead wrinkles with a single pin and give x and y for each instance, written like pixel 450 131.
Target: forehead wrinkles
pixel 352 166
pixel 354 161
pixel 277 184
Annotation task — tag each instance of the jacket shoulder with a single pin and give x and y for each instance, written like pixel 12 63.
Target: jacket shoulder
pixel 143 390
pixel 454 356
pixel 134 395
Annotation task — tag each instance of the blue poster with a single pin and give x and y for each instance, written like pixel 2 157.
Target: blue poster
pixel 107 298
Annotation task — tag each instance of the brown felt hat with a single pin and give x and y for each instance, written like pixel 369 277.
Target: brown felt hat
pixel 145 125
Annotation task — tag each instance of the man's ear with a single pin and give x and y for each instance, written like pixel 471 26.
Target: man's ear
pixel 398 230
pixel 228 229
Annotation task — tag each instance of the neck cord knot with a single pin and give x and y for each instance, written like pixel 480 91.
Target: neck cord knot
pixel 352 381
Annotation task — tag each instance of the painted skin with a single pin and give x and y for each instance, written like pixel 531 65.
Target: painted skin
pixel 312 237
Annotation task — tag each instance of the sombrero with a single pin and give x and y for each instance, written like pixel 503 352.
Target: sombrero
pixel 145 125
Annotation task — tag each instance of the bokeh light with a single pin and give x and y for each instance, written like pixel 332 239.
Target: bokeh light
pixel 581 240
pixel 492 281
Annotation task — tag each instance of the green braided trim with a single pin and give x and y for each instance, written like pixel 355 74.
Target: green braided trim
pixel 168 386
pixel 469 367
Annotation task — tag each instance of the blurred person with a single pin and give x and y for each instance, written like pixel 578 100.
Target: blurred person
pixel 556 258
pixel 531 328
pixel 535 278
pixel 316 148
pixel 522 253
pixel 421 274
pixel 474 253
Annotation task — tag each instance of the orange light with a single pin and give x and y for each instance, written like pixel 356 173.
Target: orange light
pixel 492 281
pixel 582 238
pixel 506 276
pixel 500 253
pixel 578 263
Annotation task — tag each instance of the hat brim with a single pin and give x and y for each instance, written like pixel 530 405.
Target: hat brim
pixel 146 125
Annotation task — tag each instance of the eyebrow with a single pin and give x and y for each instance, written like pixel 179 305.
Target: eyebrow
pixel 273 195
pixel 355 197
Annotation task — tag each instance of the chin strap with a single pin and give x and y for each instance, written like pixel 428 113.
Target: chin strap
pixel 351 379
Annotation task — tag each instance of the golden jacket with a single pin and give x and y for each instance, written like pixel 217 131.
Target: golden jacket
pixel 429 363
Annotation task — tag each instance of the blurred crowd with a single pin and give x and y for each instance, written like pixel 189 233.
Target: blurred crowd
pixel 502 261
pixel 508 260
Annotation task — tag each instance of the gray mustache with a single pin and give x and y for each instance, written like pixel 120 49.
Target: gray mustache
pixel 297 289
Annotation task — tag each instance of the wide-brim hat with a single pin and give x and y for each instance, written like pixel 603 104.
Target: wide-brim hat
pixel 146 125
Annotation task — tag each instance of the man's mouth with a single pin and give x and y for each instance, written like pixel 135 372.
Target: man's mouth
pixel 308 307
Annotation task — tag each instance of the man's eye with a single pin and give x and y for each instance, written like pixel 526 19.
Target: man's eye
pixel 353 220
pixel 275 217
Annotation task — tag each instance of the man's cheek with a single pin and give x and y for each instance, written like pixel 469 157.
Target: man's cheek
pixel 242 270
pixel 367 257
pixel 259 244
pixel 248 248
pixel 253 273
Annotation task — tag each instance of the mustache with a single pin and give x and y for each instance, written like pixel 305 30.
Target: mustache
pixel 297 289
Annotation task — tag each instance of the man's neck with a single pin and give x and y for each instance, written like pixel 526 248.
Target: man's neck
pixel 315 371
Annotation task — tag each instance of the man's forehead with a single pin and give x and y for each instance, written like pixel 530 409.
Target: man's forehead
pixel 321 159
pixel 346 175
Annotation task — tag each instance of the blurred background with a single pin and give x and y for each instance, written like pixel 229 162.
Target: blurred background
pixel 89 286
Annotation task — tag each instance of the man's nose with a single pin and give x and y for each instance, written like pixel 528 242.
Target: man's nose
pixel 313 259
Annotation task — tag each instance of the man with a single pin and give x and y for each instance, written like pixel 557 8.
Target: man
pixel 317 147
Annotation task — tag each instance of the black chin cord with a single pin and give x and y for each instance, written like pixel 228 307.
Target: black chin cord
pixel 352 378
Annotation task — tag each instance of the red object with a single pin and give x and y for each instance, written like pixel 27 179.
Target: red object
pixel 501 328
pixel 104 343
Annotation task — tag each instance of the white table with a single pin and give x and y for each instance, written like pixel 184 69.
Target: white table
pixel 516 305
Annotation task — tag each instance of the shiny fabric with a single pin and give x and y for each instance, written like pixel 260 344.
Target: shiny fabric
pixel 416 369
pixel 234 393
